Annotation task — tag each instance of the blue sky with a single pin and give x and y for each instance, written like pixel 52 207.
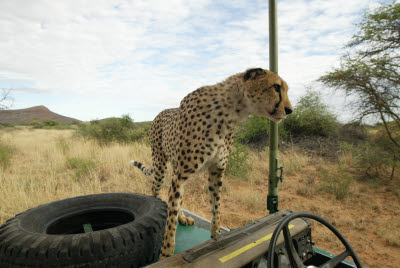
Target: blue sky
pixel 96 59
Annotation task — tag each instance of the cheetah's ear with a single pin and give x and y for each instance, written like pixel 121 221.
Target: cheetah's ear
pixel 253 73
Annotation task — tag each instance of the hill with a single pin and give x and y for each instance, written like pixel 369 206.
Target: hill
pixel 39 113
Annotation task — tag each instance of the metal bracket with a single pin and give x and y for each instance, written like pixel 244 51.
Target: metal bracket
pixel 272 203
pixel 280 177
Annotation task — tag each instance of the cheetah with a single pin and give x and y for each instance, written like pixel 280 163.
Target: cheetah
pixel 198 136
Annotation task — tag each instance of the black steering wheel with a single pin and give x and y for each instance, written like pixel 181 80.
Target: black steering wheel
pixel 294 258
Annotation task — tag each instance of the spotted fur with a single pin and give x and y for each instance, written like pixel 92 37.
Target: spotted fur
pixel 198 136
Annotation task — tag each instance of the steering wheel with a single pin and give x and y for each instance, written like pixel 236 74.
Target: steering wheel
pixel 294 258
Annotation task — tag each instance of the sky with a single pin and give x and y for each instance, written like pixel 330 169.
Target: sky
pixel 92 59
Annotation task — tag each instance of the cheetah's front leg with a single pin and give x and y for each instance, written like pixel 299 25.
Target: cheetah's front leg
pixel 174 205
pixel 183 219
pixel 214 185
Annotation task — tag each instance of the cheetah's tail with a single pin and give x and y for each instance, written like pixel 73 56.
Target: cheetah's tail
pixel 145 170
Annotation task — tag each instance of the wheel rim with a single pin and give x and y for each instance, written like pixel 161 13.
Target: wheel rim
pixel 97 220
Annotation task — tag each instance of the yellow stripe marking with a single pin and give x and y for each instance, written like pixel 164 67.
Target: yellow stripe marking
pixel 247 247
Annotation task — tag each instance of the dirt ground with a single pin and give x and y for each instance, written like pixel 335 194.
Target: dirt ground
pixel 368 214
pixel 369 217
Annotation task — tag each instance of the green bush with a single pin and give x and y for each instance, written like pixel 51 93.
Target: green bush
pixel 141 133
pixel 112 129
pixel 238 165
pixel 36 124
pixel 255 130
pixel 311 117
pixel 9 125
pixel 50 123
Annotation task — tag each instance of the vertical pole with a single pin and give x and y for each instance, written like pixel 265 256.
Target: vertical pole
pixel 273 179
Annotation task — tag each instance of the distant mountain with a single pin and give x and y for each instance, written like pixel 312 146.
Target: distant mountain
pixel 39 113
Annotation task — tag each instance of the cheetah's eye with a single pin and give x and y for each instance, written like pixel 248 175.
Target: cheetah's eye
pixel 277 88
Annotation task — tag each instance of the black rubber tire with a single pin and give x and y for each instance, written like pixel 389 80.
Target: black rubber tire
pixel 130 233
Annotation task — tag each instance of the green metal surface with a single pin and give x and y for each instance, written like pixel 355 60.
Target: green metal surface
pixel 331 256
pixel 190 236
pixel 273 178
pixel 87 228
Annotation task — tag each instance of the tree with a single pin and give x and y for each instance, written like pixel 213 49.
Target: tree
pixel 5 98
pixel 370 71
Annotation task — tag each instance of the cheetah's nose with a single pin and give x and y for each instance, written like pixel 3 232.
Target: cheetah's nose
pixel 288 110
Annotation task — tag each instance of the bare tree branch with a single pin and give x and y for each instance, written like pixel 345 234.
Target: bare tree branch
pixel 370 72
pixel 5 99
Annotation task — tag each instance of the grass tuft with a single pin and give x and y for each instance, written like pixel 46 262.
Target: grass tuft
pixel 391 236
pixel 6 153
pixel 336 182
pixel 294 161
pixel 80 166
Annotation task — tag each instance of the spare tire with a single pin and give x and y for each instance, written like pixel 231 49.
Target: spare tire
pixel 125 230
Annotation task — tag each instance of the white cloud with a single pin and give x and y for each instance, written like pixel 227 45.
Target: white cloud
pixel 147 55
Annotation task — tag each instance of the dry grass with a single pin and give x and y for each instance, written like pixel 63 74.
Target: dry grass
pixel 294 161
pixel 392 237
pixel 48 165
pixel 40 170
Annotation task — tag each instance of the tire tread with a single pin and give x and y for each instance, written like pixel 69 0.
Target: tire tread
pixel 136 243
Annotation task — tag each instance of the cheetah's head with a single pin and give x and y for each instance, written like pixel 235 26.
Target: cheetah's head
pixel 267 94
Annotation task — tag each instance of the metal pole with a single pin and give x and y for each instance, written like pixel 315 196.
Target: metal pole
pixel 273 179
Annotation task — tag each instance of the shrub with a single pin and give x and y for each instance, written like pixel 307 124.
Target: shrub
pixel 140 134
pixel 238 162
pixel 353 132
pixel 36 124
pixel 50 123
pixel 376 158
pixel 255 130
pixel 112 129
pixel 311 117
pixel 9 125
